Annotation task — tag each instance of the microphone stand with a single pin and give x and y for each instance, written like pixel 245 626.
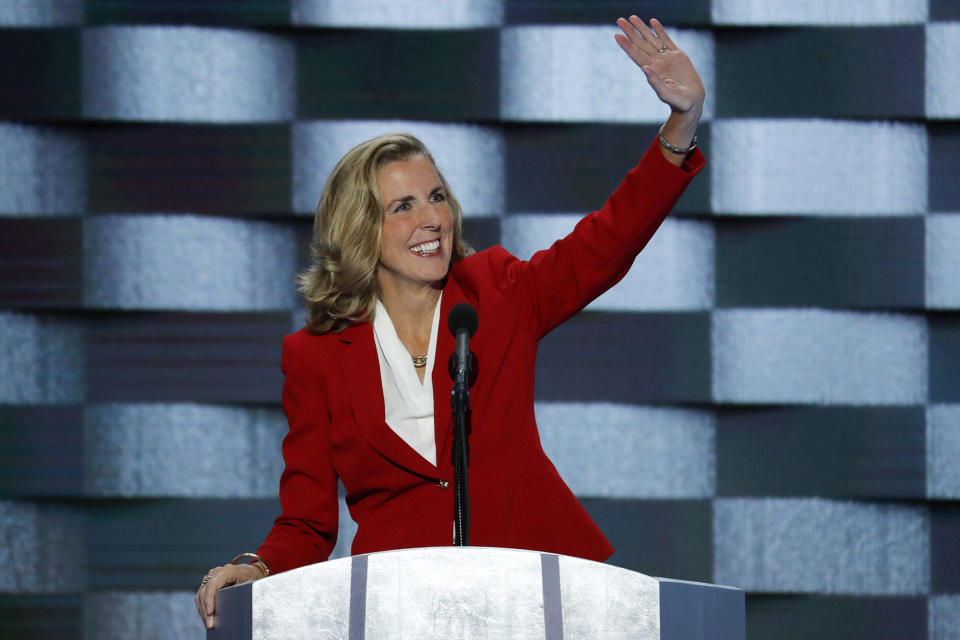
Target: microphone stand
pixel 460 403
pixel 463 324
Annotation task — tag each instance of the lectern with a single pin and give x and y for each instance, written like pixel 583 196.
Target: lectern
pixel 475 593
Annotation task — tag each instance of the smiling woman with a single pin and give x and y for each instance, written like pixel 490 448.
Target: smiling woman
pixel 364 394
pixel 417 234
pixel 371 192
pixel 415 249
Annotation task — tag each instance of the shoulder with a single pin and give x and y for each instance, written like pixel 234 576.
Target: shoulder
pixel 483 264
pixel 485 273
pixel 303 340
pixel 303 348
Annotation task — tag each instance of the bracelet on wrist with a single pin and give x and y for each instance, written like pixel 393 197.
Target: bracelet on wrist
pixel 255 560
pixel 669 147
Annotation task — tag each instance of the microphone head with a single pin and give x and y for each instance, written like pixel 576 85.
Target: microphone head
pixel 463 317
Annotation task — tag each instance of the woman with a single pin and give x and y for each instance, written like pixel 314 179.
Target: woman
pixel 367 391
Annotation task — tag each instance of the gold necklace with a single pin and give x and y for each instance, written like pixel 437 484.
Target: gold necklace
pixel 419 361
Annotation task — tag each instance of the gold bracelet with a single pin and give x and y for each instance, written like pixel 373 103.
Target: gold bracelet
pixel 669 147
pixel 254 560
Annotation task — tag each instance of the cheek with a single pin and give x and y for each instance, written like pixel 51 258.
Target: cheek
pixel 390 233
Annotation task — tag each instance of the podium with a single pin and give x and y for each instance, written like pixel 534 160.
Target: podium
pixel 475 593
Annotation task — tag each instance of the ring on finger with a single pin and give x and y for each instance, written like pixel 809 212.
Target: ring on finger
pixel 207 578
pixel 662 49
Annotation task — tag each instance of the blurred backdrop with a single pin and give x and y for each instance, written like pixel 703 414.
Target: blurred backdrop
pixel 771 398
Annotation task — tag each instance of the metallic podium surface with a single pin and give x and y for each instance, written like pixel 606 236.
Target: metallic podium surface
pixel 475 593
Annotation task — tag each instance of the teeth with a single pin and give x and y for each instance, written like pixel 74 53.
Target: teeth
pixel 426 247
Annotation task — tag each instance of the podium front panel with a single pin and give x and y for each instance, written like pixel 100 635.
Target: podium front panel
pixel 475 593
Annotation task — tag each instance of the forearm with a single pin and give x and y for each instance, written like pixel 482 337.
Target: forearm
pixel 559 281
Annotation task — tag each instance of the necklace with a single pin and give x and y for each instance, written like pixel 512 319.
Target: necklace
pixel 419 361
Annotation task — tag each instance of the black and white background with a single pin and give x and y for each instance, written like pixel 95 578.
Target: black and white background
pixel 771 398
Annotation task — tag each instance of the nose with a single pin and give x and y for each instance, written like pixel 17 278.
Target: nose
pixel 430 217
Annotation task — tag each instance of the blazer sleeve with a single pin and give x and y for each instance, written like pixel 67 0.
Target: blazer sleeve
pixel 306 530
pixel 558 282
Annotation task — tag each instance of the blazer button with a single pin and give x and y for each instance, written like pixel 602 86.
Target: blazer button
pixel 443 484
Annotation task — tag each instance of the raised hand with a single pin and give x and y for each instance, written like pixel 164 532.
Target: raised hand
pixel 668 69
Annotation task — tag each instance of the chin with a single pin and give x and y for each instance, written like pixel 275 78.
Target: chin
pixel 436 278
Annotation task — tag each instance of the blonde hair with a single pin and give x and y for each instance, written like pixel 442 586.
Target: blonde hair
pixel 340 286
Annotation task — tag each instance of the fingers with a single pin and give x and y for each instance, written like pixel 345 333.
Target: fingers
pixel 669 71
pixel 662 33
pixel 205 598
pixel 652 40
pixel 631 43
pixel 216 579
pixel 644 44
pixel 637 56
pixel 209 602
pixel 629 33
pixel 639 37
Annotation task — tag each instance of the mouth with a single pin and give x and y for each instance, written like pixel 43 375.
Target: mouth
pixel 426 248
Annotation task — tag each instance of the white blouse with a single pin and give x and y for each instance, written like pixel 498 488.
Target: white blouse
pixel 407 403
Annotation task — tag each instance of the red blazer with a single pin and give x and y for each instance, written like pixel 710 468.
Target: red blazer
pixel 333 400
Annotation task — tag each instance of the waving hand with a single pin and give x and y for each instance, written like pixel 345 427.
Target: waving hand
pixel 672 76
pixel 668 69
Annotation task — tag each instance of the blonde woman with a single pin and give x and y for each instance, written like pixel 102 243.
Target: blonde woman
pixel 367 389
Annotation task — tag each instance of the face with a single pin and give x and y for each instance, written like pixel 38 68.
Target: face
pixel 417 237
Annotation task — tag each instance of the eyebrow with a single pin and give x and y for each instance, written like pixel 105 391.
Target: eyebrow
pixel 400 201
pixel 390 204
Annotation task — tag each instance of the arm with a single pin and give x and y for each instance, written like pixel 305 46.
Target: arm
pixel 558 282
pixel 306 530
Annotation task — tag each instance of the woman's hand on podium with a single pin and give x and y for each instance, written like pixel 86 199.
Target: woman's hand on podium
pixel 218 578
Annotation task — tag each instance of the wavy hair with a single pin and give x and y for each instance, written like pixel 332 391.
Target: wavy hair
pixel 341 286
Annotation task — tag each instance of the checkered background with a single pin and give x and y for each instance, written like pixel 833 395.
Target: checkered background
pixel 771 398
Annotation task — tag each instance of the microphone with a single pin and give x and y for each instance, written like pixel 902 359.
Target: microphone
pixel 463 316
pixel 463 324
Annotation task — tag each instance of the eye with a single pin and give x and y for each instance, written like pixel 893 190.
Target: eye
pixel 400 208
pixel 439 196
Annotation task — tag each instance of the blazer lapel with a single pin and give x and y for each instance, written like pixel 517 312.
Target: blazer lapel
pixel 361 371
